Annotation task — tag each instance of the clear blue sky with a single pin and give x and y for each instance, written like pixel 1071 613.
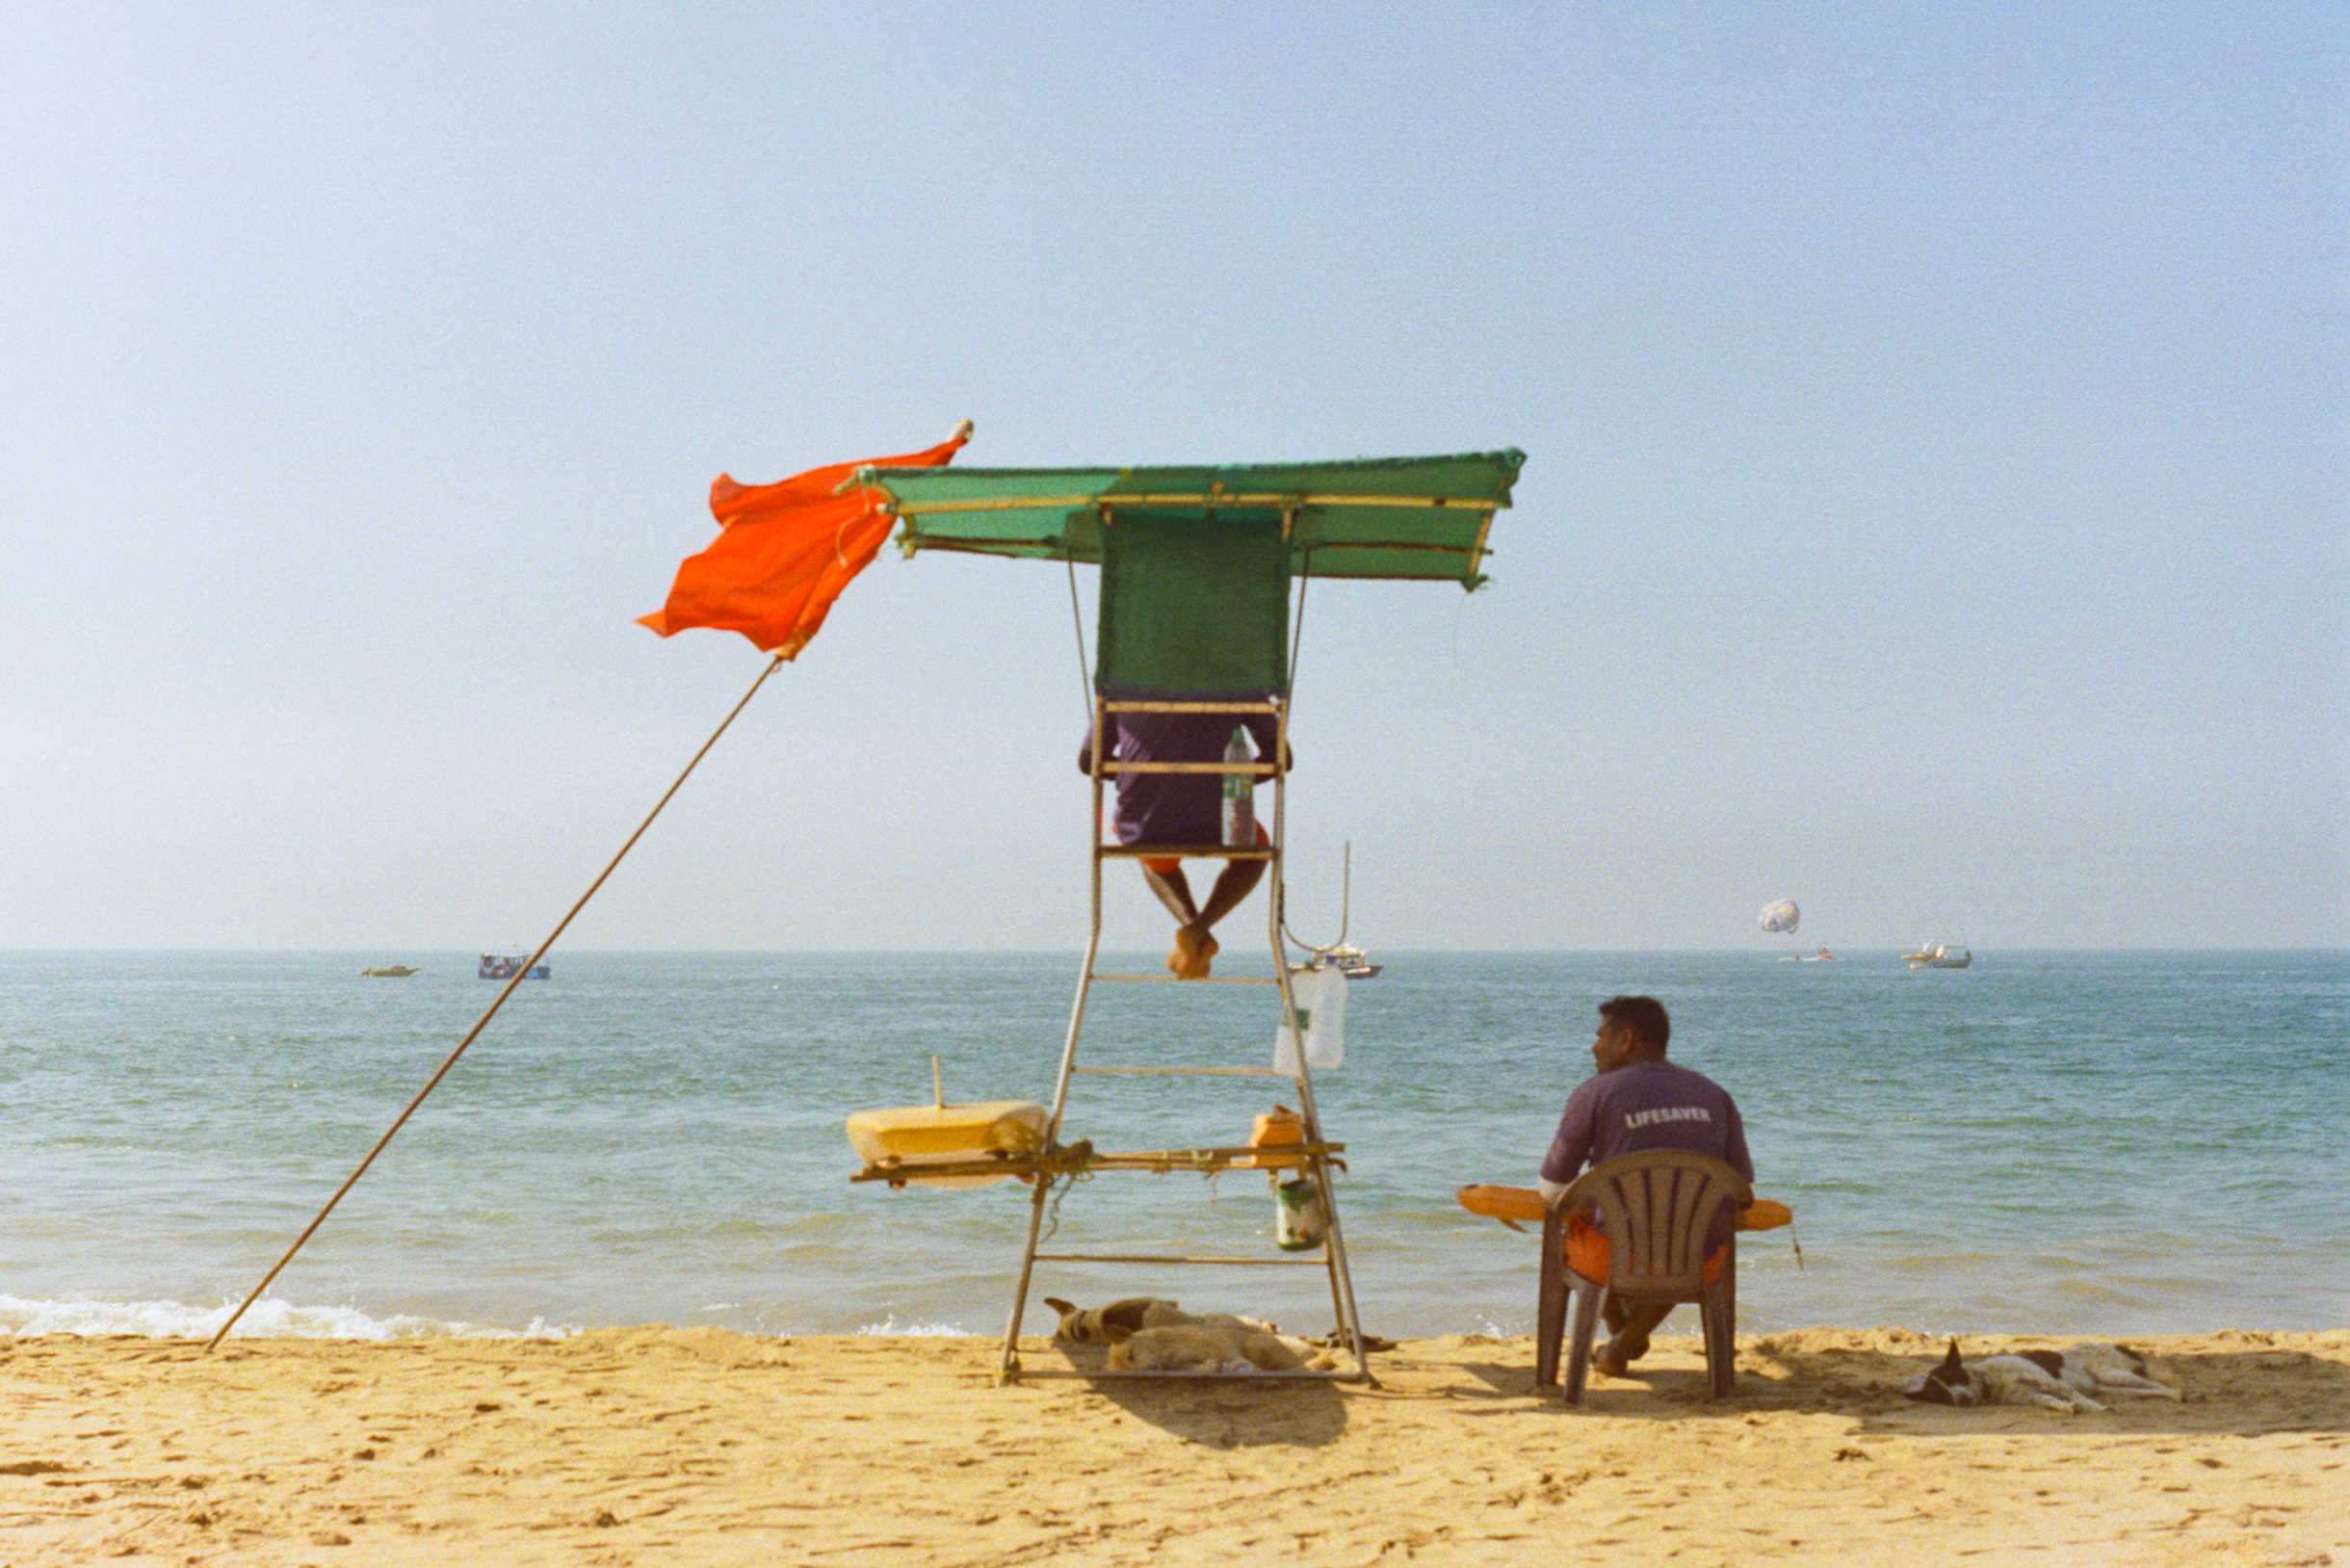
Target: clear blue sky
pixel 1933 510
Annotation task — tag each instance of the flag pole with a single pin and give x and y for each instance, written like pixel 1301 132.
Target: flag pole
pixel 498 1001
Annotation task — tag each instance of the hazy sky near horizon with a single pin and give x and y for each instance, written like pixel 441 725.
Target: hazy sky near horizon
pixel 1933 509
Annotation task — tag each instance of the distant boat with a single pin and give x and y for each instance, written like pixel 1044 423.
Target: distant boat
pixel 390 971
pixel 1822 956
pixel 1352 962
pixel 507 965
pixel 1940 956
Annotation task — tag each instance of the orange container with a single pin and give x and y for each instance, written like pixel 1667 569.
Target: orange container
pixel 1278 1129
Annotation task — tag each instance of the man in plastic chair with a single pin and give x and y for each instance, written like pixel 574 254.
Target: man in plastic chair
pixel 1185 808
pixel 1637 1101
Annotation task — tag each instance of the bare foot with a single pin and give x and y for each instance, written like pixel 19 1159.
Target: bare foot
pixel 1616 1356
pixel 1192 952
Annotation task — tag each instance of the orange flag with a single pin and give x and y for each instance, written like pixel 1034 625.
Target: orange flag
pixel 785 552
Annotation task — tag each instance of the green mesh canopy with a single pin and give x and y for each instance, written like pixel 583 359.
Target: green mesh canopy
pixel 1192 612
pixel 1389 517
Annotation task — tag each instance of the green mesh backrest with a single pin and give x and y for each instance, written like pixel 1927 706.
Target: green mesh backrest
pixel 1193 605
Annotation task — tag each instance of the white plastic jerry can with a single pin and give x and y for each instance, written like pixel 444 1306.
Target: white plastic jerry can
pixel 1321 994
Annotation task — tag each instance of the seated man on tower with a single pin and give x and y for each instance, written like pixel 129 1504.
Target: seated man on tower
pixel 1186 809
pixel 1635 1102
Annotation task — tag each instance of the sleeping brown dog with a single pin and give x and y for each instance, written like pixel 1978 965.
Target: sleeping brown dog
pixel 1231 1347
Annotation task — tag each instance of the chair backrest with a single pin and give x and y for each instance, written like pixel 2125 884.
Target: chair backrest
pixel 1659 1207
pixel 1193 607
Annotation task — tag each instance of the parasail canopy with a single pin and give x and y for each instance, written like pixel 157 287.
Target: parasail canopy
pixel 1779 916
pixel 1380 517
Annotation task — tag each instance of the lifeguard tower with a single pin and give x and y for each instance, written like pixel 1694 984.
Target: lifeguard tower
pixel 1198 569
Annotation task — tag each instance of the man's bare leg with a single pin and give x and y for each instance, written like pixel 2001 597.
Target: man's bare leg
pixel 1629 1329
pixel 1238 879
pixel 1174 890
pixel 1193 942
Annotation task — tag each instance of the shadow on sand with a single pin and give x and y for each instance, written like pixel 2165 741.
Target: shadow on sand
pixel 1236 1412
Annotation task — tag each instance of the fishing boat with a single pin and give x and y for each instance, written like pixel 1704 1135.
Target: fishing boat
pixel 390 971
pixel 507 965
pixel 1352 962
pixel 1939 955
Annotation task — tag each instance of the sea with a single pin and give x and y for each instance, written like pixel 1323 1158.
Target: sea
pixel 2064 1144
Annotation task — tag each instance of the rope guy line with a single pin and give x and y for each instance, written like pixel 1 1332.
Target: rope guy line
pixel 498 1001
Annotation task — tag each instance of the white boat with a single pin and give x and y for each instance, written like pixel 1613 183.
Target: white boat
pixel 1352 962
pixel 1939 955
pixel 507 965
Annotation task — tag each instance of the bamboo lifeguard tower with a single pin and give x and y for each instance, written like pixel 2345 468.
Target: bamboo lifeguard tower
pixel 1198 567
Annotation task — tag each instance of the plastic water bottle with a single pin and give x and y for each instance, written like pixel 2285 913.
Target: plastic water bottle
pixel 1240 793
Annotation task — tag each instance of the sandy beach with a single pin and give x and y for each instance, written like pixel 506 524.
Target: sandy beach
pixel 667 1445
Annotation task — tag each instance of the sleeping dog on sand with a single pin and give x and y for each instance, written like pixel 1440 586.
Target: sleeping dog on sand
pixel 2060 1381
pixel 1231 1346
pixel 1094 1325
pixel 1147 1333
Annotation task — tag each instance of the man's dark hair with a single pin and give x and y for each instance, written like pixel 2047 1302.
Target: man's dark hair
pixel 1644 1016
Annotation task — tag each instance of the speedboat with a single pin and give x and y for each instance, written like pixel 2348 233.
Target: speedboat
pixel 1352 962
pixel 1939 955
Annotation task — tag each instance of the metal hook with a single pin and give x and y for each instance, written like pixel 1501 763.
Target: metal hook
pixel 1345 897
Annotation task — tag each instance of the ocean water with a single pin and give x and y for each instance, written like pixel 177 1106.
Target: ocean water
pixel 2059 1143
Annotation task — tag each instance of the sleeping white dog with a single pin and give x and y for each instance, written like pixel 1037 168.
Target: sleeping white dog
pixel 2060 1381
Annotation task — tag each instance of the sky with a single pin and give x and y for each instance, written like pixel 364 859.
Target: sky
pixel 1933 506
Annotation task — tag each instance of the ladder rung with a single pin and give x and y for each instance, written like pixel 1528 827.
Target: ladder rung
pixel 1184 851
pixel 1215 1157
pixel 1019 1374
pixel 1172 979
pixel 1252 769
pixel 1186 1072
pixel 1140 705
pixel 1299 1260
